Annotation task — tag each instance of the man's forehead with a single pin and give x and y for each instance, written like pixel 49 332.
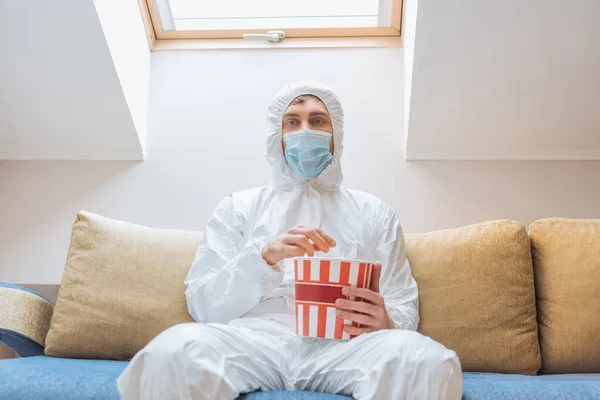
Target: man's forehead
pixel 311 104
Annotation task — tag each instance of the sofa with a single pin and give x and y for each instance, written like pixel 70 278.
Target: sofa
pixel 520 307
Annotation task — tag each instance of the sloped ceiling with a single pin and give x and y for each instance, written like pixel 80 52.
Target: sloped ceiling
pixel 507 79
pixel 60 94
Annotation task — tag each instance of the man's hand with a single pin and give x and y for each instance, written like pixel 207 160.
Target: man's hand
pixel 370 313
pixel 297 242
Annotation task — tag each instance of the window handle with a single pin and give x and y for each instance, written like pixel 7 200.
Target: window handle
pixel 270 36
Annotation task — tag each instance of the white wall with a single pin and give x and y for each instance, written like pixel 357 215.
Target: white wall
pixel 206 139
pixel 409 30
pixel 510 79
pixel 125 35
pixel 60 96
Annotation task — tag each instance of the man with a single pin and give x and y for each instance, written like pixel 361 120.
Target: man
pixel 240 289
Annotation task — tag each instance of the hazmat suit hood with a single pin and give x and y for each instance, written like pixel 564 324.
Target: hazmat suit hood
pixel 283 177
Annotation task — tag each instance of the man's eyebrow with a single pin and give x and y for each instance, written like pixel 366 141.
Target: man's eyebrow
pixel 319 113
pixel 291 115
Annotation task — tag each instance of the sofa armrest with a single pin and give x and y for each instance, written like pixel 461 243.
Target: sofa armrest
pixel 24 319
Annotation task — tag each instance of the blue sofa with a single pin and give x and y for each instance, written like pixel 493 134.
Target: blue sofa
pixel 48 378
pixel 34 376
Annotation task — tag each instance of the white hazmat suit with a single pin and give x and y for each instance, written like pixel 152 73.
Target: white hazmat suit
pixel 245 338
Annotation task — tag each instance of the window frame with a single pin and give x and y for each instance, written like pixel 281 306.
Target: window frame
pixel 295 37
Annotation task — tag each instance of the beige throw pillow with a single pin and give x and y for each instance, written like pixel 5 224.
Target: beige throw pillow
pixel 566 259
pixel 123 284
pixel 476 295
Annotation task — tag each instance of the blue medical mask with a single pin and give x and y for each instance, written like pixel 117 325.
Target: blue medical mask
pixel 307 152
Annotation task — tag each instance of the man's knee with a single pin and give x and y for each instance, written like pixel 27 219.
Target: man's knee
pixel 439 365
pixel 445 372
pixel 191 347
pixel 181 362
pixel 412 347
pixel 443 363
pixel 183 341
pixel 423 355
pixel 181 345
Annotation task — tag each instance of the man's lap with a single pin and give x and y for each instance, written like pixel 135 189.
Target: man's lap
pixel 297 357
pixel 273 358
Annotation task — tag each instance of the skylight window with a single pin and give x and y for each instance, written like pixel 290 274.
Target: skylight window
pixel 220 19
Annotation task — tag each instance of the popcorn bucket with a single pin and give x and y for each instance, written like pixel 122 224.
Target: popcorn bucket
pixel 318 284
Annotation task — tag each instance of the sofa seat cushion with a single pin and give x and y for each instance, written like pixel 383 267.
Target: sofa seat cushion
pixel 49 378
pixel 46 378
pixel 486 386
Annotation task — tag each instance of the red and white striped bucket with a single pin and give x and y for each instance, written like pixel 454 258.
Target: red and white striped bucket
pixel 319 283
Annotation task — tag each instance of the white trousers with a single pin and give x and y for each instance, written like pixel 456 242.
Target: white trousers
pixel 213 361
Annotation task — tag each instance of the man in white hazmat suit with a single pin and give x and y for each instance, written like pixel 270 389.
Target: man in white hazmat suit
pixel 241 291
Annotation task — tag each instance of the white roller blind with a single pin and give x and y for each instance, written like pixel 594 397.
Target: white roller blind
pixel 184 15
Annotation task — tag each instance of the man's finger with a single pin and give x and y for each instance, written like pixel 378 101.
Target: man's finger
pixel 300 240
pixel 357 306
pixel 367 294
pixel 326 236
pixel 375 277
pixel 291 250
pixel 362 319
pixel 313 235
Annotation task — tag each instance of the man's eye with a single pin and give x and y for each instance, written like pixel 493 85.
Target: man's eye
pixel 291 123
pixel 319 121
